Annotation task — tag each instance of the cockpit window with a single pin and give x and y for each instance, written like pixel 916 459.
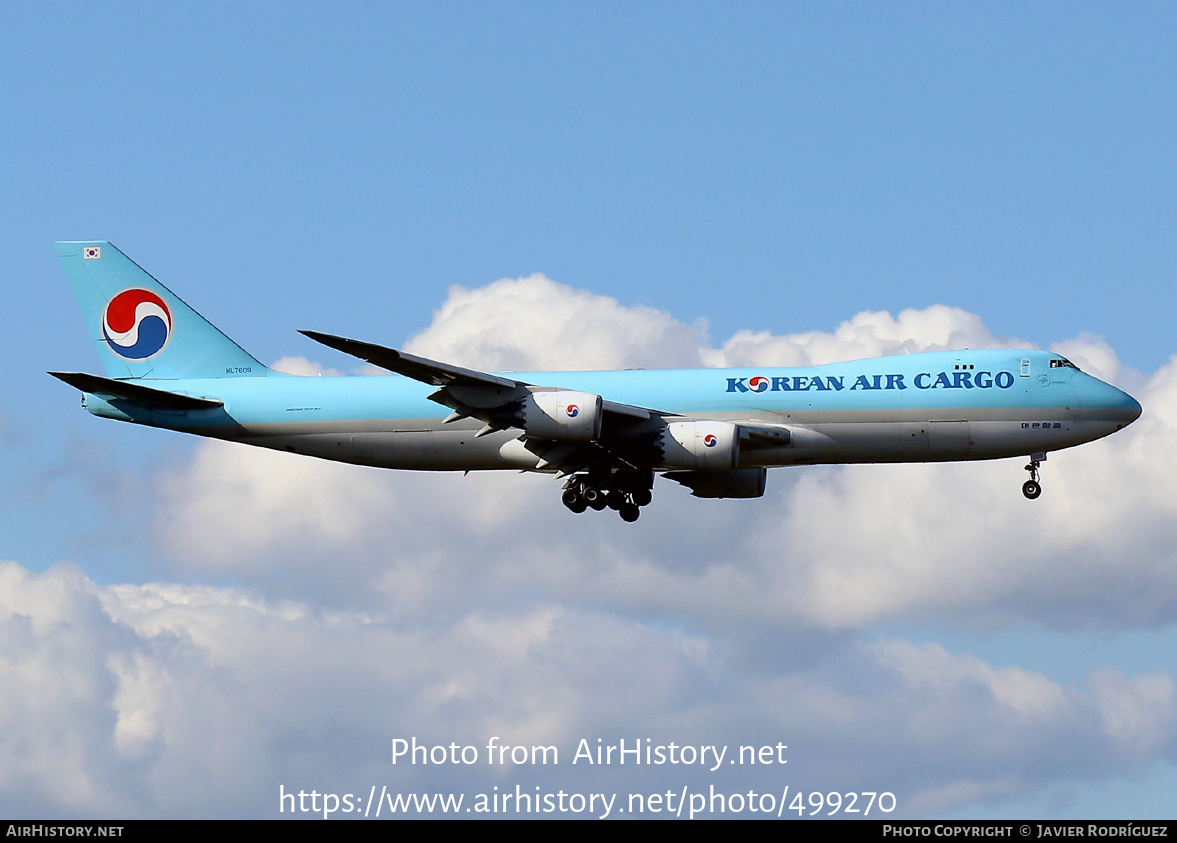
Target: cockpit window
pixel 1062 363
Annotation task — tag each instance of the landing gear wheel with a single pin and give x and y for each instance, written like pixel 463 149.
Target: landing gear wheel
pixel 572 499
pixel 629 512
pixel 642 497
pixel 615 500
pixel 1031 489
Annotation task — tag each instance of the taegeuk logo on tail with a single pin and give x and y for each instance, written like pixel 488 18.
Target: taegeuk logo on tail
pixel 136 324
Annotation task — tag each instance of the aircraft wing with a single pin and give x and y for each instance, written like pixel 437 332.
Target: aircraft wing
pixel 481 388
pixel 502 402
pixel 623 435
pixel 410 365
pixel 144 396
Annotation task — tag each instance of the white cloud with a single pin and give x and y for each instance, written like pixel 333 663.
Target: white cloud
pixel 1137 712
pixel 533 323
pixel 169 700
pixel 233 503
pixel 301 366
pixel 868 334
pixel 536 323
pixel 1019 693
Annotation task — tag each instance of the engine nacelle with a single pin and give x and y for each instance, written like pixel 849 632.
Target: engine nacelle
pixel 740 483
pixel 706 445
pixel 563 415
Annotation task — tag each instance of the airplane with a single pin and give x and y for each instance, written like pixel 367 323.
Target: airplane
pixel 607 434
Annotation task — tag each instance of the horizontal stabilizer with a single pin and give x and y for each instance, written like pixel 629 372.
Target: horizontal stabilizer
pixel 144 396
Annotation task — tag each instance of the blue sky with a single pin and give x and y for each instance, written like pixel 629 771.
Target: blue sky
pixel 753 167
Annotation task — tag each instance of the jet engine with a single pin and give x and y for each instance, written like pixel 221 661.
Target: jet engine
pixel 562 414
pixel 705 445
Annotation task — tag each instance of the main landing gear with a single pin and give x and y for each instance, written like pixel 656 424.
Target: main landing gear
pixel 1032 488
pixel 625 492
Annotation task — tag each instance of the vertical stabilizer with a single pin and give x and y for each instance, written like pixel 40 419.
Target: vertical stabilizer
pixel 141 328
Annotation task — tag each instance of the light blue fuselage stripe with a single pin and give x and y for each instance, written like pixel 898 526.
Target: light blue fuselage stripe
pixel 907 383
pixel 914 408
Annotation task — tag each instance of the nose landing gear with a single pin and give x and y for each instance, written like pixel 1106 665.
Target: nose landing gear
pixel 1032 488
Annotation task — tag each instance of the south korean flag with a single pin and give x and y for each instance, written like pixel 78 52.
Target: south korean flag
pixel 92 253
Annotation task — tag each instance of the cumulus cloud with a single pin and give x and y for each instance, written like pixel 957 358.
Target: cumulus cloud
pixel 868 334
pixel 260 500
pixel 166 699
pixel 533 323
pixel 1137 712
pixel 536 323
pixel 301 366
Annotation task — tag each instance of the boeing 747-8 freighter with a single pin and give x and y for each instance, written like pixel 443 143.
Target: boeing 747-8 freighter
pixel 607 434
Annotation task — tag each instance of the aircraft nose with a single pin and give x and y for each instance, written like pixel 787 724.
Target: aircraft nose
pixel 1132 408
pixel 1104 402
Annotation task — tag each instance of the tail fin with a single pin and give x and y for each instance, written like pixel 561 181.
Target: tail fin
pixel 142 329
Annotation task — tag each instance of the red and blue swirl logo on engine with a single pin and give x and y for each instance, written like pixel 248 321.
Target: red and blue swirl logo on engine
pixel 710 441
pixel 573 411
pixel 758 383
pixel 136 324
